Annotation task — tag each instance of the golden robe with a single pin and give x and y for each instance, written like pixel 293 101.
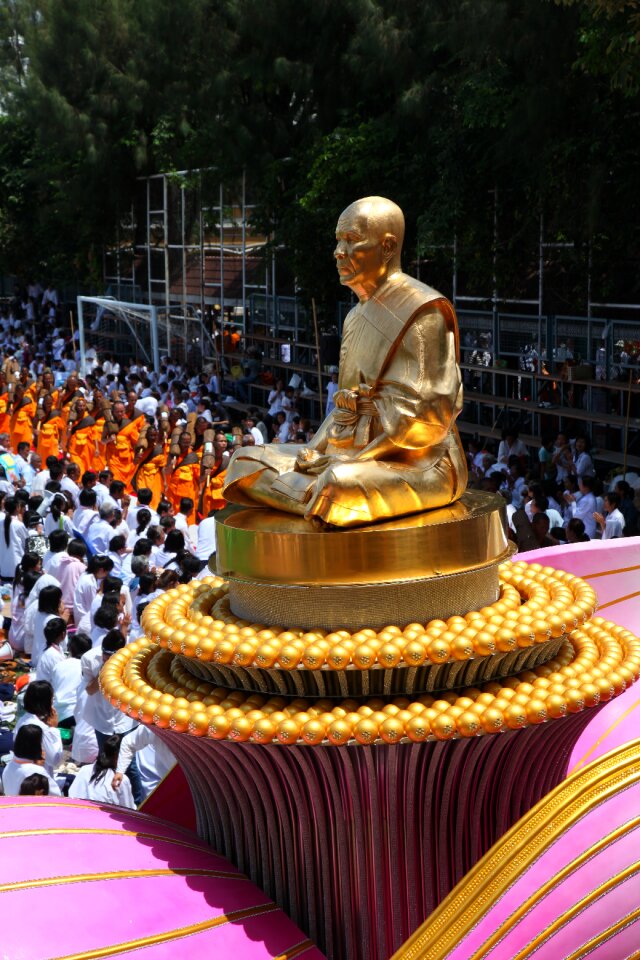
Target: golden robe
pixel 399 452
pixel 22 421
pixel 50 434
pixel 148 474
pixel 81 444
pixel 5 417
pixel 120 452
pixel 185 482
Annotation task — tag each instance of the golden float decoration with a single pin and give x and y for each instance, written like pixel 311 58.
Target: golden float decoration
pixel 596 661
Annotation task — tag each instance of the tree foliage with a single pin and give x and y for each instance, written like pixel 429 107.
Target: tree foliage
pixel 458 110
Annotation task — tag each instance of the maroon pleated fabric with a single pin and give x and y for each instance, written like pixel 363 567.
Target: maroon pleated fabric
pixel 359 844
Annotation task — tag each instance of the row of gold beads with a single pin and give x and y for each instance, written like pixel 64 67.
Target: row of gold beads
pixel 599 662
pixel 536 604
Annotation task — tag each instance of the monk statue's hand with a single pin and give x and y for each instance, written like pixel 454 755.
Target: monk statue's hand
pixel 346 400
pixel 307 459
pixel 314 463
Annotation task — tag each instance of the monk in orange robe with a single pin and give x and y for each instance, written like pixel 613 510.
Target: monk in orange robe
pixel 150 464
pixel 67 396
pixel 212 498
pixel 183 476
pixel 121 444
pixel 5 416
pixel 50 430
pixel 81 445
pixel 23 415
pixel 46 387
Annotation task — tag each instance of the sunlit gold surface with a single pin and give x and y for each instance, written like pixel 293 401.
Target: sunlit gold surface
pixel 536 604
pixel 532 836
pixel 596 664
pixel 275 548
pixel 597 661
pixel 390 446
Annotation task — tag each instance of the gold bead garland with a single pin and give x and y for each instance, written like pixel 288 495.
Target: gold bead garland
pixel 597 663
pixel 536 604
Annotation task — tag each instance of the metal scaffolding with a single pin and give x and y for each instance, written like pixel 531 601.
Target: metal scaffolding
pixel 188 247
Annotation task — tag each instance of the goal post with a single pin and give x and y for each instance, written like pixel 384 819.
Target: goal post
pixel 126 329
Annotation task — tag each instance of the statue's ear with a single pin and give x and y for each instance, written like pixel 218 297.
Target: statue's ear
pixel 389 246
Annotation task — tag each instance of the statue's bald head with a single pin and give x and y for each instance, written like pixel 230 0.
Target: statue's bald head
pixel 382 217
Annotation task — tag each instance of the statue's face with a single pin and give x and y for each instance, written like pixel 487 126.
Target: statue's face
pixel 360 254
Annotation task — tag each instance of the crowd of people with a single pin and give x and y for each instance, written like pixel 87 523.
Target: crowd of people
pixel 109 486
pixel 555 496
pixel 109 483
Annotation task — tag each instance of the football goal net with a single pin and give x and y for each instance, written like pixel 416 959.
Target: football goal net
pixel 128 331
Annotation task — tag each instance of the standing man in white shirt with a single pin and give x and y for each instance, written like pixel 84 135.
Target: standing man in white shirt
pixel 611 523
pixel 585 507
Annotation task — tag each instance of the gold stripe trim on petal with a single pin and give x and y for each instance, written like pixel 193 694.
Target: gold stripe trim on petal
pixel 590 946
pixel 610 573
pixel 592 749
pixel 575 910
pixel 295 951
pixel 521 846
pixel 177 934
pixel 51 831
pixel 612 603
pixel 514 918
pixel 118 875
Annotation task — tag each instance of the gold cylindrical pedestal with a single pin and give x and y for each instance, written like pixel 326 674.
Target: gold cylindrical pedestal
pixel 283 570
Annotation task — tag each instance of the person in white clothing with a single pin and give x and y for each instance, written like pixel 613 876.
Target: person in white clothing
pixel 145 496
pixel 154 758
pixel 86 513
pixel 182 517
pixel 39 709
pixel 58 540
pixel 50 607
pixel 66 677
pixel 55 636
pixel 144 517
pixel 84 748
pixel 611 522
pixel 206 537
pixel 31 607
pixel 99 534
pixel 42 477
pixel 561 457
pixel 585 507
pixel 96 782
pixel 57 518
pixel 98 712
pixel 26 577
pixel 27 759
pixel 102 486
pixel 275 398
pixel 511 446
pixel 582 462
pixel 104 718
pixel 70 483
pixel 98 568
pixel 332 387
pixel 13 537
pixel 253 430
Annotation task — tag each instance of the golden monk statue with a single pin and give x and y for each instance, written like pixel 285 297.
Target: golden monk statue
pixel 390 446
